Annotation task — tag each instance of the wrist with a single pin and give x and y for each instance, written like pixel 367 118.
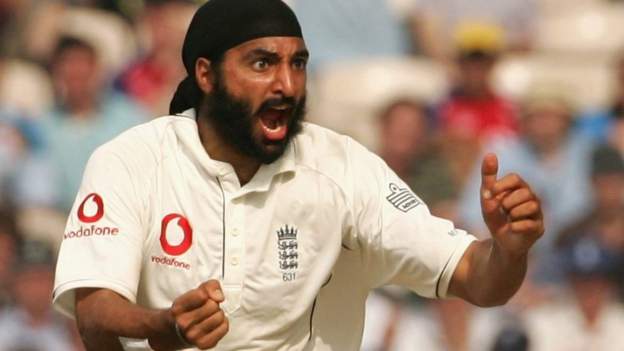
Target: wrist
pixel 164 334
pixel 508 256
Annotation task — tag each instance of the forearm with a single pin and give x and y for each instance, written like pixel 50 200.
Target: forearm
pixel 103 316
pixel 490 276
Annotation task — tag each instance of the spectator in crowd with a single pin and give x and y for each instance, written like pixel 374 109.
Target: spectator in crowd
pixel 87 114
pixel 474 109
pixel 606 220
pixel 591 318
pixel 339 31
pixel 24 173
pixel 31 324
pixel 408 145
pixel 473 114
pixel 153 78
pixel 554 158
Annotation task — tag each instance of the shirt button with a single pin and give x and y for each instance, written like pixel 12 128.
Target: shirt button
pixel 235 232
pixel 234 261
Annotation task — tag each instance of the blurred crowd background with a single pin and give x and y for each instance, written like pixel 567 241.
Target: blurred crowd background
pixel 430 85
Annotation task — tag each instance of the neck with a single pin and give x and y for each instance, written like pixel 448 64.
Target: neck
pixel 81 107
pixel 218 149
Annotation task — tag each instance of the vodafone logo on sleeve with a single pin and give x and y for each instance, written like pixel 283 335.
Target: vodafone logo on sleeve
pixel 176 234
pixel 91 209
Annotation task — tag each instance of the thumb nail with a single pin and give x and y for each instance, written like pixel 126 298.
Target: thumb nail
pixel 218 294
pixel 487 194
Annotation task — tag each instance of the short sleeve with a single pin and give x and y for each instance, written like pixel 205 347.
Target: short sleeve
pixel 403 242
pixel 103 239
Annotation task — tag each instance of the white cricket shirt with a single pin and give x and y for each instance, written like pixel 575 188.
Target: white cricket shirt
pixel 297 249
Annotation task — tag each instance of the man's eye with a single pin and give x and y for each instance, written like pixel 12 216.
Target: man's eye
pixel 300 64
pixel 260 65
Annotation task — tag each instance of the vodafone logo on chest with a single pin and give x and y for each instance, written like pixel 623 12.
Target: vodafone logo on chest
pixel 176 238
pixel 90 211
pixel 176 234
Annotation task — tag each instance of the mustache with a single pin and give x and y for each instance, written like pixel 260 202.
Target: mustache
pixel 288 102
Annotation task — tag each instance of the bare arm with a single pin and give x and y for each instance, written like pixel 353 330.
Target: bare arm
pixel 103 316
pixel 491 271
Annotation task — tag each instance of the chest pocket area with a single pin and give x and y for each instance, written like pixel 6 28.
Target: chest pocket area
pixel 292 254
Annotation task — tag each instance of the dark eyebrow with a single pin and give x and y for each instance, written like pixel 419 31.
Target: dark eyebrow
pixel 302 54
pixel 273 55
pixel 261 53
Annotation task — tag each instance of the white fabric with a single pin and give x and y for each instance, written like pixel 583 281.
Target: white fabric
pixel 303 293
pixel 560 326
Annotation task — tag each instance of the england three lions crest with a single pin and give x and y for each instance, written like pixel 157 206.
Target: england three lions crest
pixel 287 250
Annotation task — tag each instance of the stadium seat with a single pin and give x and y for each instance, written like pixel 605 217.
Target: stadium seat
pixel 592 29
pixel 112 37
pixel 347 96
pixel 588 81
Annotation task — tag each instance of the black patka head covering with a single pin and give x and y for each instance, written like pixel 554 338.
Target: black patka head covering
pixel 220 25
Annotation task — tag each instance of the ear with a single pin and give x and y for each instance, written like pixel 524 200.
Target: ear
pixel 204 75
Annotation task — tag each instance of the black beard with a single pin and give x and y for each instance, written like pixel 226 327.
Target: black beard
pixel 233 121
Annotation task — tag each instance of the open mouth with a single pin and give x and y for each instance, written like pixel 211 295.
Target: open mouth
pixel 274 122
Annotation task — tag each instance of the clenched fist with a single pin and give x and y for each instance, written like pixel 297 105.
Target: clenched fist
pixel 197 318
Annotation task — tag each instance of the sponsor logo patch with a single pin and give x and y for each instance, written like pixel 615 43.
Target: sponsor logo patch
pixel 176 234
pixel 91 209
pixel 402 198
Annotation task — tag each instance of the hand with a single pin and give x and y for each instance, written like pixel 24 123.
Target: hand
pixel 199 320
pixel 510 209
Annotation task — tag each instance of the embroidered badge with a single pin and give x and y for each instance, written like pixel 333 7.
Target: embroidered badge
pixel 288 254
pixel 402 198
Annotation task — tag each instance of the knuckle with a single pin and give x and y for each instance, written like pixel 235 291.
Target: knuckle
pixel 176 309
pixel 534 207
pixel 219 317
pixel 193 335
pixel 211 306
pixel 202 294
pixel 527 193
pixel 183 323
pixel 207 343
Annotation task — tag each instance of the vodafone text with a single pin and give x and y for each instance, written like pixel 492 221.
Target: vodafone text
pixel 170 261
pixel 85 232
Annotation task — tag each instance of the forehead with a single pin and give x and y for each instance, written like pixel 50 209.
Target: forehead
pixel 279 45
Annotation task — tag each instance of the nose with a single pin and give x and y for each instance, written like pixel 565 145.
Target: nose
pixel 284 81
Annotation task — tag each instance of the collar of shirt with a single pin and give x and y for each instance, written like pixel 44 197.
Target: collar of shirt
pixel 224 171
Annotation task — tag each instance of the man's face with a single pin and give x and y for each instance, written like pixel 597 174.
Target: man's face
pixel 76 76
pixel 258 98
pixel 475 73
